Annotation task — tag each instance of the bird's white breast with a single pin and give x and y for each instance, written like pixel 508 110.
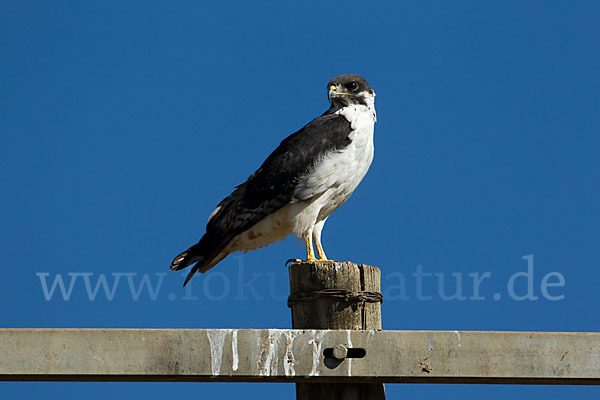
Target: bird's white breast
pixel 338 174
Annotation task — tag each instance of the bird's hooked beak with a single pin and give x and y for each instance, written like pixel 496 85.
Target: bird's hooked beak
pixel 334 92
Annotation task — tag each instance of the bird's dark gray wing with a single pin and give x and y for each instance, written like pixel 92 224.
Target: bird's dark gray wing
pixel 271 187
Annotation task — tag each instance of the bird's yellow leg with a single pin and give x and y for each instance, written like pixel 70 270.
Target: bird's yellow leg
pixel 310 254
pixel 321 253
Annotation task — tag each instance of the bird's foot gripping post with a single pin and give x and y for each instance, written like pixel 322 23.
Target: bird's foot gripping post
pixel 310 254
pixel 337 295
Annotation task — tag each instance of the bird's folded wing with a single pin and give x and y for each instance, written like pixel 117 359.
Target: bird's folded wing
pixel 281 179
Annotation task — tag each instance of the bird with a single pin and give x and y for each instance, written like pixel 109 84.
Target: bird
pixel 307 177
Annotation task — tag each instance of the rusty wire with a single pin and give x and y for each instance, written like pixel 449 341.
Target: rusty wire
pixel 363 296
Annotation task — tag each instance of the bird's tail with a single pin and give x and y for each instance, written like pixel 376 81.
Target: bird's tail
pixel 199 254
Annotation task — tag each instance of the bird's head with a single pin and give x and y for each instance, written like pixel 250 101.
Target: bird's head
pixel 350 89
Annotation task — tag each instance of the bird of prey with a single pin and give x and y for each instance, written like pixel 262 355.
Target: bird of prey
pixel 306 178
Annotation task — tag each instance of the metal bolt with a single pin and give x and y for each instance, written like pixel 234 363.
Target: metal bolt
pixel 340 352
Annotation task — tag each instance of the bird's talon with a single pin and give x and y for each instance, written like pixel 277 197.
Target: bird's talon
pixel 293 261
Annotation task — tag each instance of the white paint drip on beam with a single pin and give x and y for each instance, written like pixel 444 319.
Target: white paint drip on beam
pixel 288 357
pixel 458 336
pixel 317 342
pixel 269 365
pixel 216 339
pixel 349 359
pixel 234 350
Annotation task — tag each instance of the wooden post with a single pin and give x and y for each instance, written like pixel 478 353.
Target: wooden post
pixel 331 295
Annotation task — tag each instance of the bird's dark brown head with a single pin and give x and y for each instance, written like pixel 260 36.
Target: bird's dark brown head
pixel 349 89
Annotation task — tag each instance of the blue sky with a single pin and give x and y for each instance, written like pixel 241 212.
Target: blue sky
pixel 124 123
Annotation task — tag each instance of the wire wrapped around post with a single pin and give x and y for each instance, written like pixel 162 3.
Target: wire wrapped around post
pixel 363 296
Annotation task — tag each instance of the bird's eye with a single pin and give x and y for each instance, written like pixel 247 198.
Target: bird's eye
pixel 352 86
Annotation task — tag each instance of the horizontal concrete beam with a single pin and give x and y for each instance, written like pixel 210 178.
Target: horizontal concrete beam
pixel 273 355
